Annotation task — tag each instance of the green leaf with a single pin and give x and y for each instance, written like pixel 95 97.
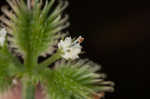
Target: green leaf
pixel 34 30
pixel 75 79
pixel 9 68
pixel 5 73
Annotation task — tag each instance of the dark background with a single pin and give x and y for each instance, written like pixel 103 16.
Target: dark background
pixel 117 37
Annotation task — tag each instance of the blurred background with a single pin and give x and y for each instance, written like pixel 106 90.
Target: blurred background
pixel 117 36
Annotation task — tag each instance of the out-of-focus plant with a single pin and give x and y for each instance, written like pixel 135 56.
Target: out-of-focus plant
pixel 34 28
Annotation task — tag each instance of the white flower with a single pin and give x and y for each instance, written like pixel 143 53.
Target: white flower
pixel 3 33
pixel 71 49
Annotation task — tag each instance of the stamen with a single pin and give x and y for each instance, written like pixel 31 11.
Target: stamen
pixel 79 40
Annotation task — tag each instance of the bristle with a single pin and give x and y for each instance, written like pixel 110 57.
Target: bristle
pixel 109 83
pixel 8 13
pixel 5 21
pixel 10 32
pixel 13 5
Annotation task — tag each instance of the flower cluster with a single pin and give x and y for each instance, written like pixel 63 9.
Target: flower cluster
pixel 70 48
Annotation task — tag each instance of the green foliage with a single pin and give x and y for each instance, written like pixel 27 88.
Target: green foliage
pixel 35 28
pixel 9 67
pixel 75 79
pixel 5 83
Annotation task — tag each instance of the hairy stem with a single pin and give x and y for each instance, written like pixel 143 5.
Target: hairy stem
pixel 52 59
pixel 28 90
pixel 30 61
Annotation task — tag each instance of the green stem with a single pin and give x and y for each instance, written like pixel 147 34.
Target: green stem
pixel 30 61
pixel 52 59
pixel 28 90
